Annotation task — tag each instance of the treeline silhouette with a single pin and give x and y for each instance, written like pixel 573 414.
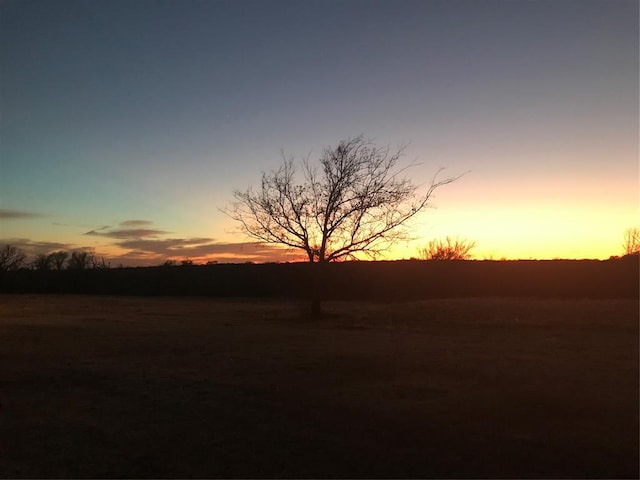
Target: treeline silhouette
pixel 379 280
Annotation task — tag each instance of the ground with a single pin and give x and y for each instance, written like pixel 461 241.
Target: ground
pixel 194 387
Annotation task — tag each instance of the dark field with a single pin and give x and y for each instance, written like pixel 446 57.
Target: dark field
pixel 174 387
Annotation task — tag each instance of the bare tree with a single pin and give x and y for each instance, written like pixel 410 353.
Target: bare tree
pixel 448 249
pixel 42 261
pixel 11 258
pixel 99 263
pixel 58 259
pixel 82 260
pixel 356 201
pixel 631 244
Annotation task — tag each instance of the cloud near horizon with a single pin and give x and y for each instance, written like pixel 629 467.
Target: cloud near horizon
pixel 146 252
pixel 128 232
pixel 135 223
pixel 145 246
pixel 202 250
pixel 33 248
pixel 9 214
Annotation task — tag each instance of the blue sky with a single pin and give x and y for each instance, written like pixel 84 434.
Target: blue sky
pixel 155 111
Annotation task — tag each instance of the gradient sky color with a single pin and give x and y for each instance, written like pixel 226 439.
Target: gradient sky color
pixel 126 125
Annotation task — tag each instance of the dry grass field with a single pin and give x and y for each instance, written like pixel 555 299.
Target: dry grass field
pixel 193 387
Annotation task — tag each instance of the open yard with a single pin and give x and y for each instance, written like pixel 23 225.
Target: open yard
pixel 192 387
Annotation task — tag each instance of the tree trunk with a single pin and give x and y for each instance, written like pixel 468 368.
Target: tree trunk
pixel 317 288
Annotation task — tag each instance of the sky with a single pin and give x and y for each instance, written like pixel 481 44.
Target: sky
pixel 126 126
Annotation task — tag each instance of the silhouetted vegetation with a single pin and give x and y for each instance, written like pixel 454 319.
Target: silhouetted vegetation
pixel 42 261
pixel 58 259
pixel 81 260
pixel 11 258
pixel 380 280
pixel 631 244
pixel 448 249
pixel 355 202
pixel 55 261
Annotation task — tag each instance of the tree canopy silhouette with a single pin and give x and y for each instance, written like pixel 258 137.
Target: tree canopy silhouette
pixel 357 200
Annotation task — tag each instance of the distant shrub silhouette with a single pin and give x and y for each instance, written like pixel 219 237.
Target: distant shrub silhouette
pixel 11 258
pixel 79 260
pixel 631 244
pixel 86 259
pixel 42 262
pixel 448 249
pixel 58 259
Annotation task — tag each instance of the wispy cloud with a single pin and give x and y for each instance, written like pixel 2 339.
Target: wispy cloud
pixel 31 247
pixel 135 223
pixel 148 251
pixel 195 247
pixel 96 231
pixel 146 245
pixel 127 230
pixel 127 233
pixel 9 214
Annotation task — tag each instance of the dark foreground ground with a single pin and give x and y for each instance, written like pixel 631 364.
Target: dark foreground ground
pixel 139 387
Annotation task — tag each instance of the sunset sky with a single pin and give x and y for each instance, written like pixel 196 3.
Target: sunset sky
pixel 126 125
